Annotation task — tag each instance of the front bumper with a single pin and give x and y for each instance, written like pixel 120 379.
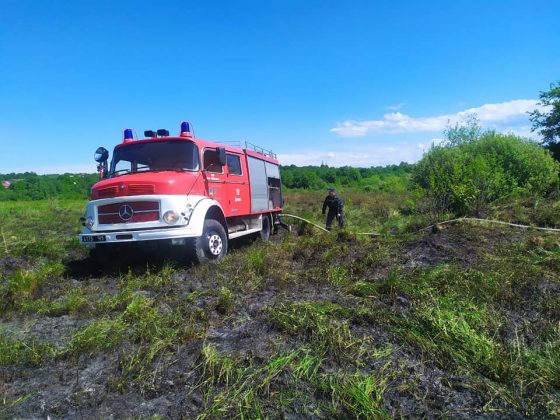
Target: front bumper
pixel 97 238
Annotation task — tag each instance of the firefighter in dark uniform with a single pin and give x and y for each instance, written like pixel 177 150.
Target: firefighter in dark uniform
pixel 336 209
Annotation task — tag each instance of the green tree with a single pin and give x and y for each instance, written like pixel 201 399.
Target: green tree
pixel 547 124
pixel 389 178
pixel 466 176
pixel 464 132
pixel 30 186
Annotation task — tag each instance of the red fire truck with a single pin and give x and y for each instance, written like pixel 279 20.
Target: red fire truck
pixel 182 191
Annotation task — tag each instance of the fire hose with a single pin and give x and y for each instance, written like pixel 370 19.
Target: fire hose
pixel 457 220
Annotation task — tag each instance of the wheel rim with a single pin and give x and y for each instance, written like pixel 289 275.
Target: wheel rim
pixel 215 244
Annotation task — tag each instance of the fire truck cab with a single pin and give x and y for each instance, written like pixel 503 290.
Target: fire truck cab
pixel 183 191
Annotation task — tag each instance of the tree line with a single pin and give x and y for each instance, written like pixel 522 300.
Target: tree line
pixel 386 178
pixel 30 186
pixel 473 167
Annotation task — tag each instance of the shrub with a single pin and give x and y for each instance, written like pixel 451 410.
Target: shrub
pixel 464 176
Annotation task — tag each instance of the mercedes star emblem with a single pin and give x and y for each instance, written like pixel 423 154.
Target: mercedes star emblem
pixel 126 212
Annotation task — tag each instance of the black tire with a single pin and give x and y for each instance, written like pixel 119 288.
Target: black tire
pixel 266 227
pixel 213 244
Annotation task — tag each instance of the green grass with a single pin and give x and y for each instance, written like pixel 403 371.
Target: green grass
pixel 358 394
pixel 40 228
pixel 18 352
pixel 226 300
pixel 455 333
pixel 102 334
pixel 339 323
pixel 24 284
pixel 317 322
pixel 246 390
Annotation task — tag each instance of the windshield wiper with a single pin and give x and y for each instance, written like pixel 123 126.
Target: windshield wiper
pixel 117 173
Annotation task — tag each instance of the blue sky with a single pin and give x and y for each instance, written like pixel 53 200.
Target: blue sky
pixel 346 83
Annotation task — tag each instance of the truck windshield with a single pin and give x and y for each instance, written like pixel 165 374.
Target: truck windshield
pixel 162 155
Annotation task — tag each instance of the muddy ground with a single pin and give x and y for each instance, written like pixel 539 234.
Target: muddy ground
pixel 83 386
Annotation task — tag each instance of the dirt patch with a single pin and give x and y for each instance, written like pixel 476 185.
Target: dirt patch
pixel 10 264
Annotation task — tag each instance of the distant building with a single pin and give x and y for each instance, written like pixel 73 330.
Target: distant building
pixel 6 184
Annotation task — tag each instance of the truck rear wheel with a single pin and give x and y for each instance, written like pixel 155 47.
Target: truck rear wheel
pixel 213 243
pixel 266 227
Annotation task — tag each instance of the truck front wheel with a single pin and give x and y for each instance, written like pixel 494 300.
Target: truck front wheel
pixel 213 243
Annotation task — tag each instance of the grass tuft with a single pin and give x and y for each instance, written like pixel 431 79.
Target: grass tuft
pixel 317 322
pixel 102 334
pixel 359 395
pixel 226 300
pixel 18 352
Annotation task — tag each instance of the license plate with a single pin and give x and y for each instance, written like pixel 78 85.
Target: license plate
pixel 94 238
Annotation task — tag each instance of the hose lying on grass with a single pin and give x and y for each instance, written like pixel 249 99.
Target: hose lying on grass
pixel 460 219
pixel 305 220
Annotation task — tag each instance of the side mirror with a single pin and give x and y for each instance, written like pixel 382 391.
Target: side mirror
pixel 101 155
pixel 221 155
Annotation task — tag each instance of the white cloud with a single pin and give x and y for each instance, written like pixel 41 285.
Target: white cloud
pixel 425 146
pixel 373 156
pixel 512 113
pixel 521 130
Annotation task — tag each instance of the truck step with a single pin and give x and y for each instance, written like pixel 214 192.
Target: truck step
pixel 243 233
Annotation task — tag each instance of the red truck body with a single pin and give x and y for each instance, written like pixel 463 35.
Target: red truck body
pixel 183 190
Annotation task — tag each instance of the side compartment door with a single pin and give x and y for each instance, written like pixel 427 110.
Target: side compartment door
pixel 274 186
pixel 237 184
pixel 259 187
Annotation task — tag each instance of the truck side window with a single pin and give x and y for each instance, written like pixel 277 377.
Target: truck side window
pixel 211 162
pixel 234 165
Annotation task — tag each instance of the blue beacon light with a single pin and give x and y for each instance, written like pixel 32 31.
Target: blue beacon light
pixel 128 135
pixel 185 129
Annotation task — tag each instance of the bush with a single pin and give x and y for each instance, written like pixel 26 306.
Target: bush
pixel 464 176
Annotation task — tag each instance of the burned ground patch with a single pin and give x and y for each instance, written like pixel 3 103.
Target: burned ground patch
pixel 459 322
pixel 9 264
pixel 461 244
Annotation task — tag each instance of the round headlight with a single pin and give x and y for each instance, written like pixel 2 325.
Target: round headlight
pixel 170 217
pixel 89 222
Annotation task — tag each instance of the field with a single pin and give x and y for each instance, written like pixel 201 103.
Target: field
pixel 461 320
